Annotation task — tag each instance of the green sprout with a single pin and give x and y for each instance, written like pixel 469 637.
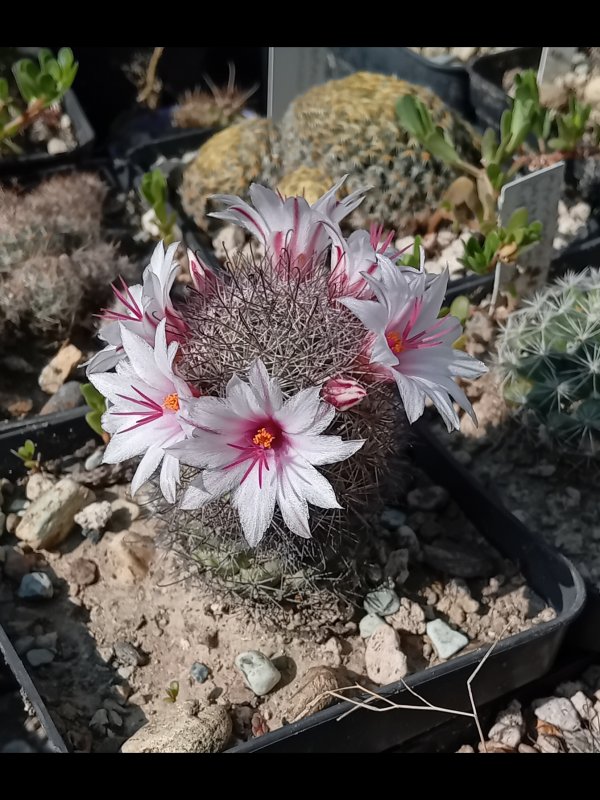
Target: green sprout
pixel 97 404
pixel 40 85
pixel 172 692
pixel 153 190
pixel 413 258
pixel 27 454
pixel 501 245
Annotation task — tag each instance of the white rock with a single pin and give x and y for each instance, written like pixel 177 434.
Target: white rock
pixel 260 674
pixel 56 372
pixel 382 601
pixel 591 93
pixel 130 555
pixel 410 617
pixel 56 146
pixel 369 624
pixel 208 732
pixel 583 705
pixel 95 517
pixel 557 711
pixel 509 727
pixel 446 641
pixel 384 660
pixel 95 459
pixel 50 519
pixel 37 485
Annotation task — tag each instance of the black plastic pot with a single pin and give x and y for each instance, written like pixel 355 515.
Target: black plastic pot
pixel 449 81
pixel 488 98
pixel 516 661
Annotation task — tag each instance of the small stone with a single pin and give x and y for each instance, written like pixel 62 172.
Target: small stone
pixel 382 602
pixel 128 655
pixel 18 504
pixel 582 741
pixel 557 711
pixel 56 146
pixel 38 657
pixel 464 53
pixel 465 748
pixel 131 555
pixel 385 662
pixel 428 498
pixel 208 732
pixel 260 674
pixel 591 93
pixel 16 563
pixel 36 586
pixel 199 672
pixel 95 517
pixel 125 672
pixel 124 513
pixel 397 567
pixel 494 747
pixel 509 727
pixel 37 485
pixel 583 705
pixel 84 572
pixel 446 641
pixel 23 644
pixel 94 461
pixel 47 641
pixel 56 372
pixel 67 397
pixel 12 520
pixel 409 618
pixel 526 748
pixel 549 744
pixel 369 624
pixel 99 722
pixel 392 518
pixel 115 720
pixel 457 560
pixel 50 519
pixel 407 539
pixel 311 695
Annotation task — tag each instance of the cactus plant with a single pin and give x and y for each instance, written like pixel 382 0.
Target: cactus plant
pixel 549 355
pixel 345 126
pixel 217 108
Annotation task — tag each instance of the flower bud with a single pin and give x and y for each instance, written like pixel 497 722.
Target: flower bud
pixel 203 278
pixel 343 393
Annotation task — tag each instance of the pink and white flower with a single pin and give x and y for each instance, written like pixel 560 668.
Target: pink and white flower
pixel 144 411
pixel 343 393
pixel 263 450
pixel 411 345
pixel 140 308
pixel 292 231
pixel 204 280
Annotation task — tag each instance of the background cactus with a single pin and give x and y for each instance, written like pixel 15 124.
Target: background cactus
pixel 549 353
pixel 343 126
pixel 54 266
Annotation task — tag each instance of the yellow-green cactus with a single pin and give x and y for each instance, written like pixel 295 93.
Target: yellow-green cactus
pixel 308 182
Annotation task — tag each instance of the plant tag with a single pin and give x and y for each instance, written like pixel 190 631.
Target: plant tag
pixel 554 62
pixel 293 70
pixel 539 193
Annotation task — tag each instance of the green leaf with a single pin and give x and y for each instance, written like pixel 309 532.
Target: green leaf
pixel 26 75
pixel 3 90
pixel 44 55
pixel 65 58
pixel 460 308
pixel 93 397
pixel 489 145
pixel 517 220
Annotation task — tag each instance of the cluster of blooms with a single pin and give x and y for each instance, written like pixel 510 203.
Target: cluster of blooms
pixel 257 444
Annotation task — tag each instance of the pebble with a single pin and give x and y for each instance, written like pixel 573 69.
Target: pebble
pixel 260 674
pixel 465 748
pixel 16 563
pixel 128 655
pixel 199 672
pixel 583 705
pixel 125 672
pixel 581 741
pixel 99 722
pixel 2 522
pixel 384 660
pixel 50 519
pixel 445 640
pixel 591 92
pixel 115 720
pixel 382 601
pixel 84 572
pixel 23 644
pixel 93 519
pixel 526 748
pixel 549 744
pixel 37 485
pixel 409 618
pixel 56 146
pixel 369 624
pixel 56 372
pixel 67 397
pixel 12 520
pixel 428 498
pixel 557 711
pixel 509 726
pixel 208 732
pixel 407 539
pixel 397 566
pixel 315 684
pixel 457 560
pixel 95 460
pixel 47 641
pixel 124 513
pixel 392 518
pixel 130 555
pixel 18 504
pixel 36 586
pixel 38 657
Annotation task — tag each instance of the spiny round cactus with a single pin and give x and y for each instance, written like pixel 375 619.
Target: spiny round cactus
pixel 345 126
pixel 549 353
pixel 308 182
pixel 228 162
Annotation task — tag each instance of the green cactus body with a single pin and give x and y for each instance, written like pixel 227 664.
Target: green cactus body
pixel 549 353
pixel 346 126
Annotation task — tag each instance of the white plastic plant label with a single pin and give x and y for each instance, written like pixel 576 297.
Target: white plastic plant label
pixel 555 61
pixel 293 70
pixel 538 192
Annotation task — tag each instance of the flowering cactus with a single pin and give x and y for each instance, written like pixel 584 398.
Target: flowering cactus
pixel 279 383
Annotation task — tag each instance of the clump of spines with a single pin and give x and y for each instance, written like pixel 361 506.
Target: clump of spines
pixel 217 108
pixel 346 126
pixel 549 354
pixel 54 265
pixel 303 340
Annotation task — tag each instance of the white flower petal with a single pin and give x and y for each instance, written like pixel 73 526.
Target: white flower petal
pixel 255 504
pixel 298 412
pixel 311 485
pixel 318 450
pixel 123 446
pixel 169 478
pixel 146 467
pixel 104 360
pixel 293 507
pixel 195 496
pixel 266 389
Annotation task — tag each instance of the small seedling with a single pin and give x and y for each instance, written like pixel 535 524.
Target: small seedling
pixel 97 403
pixel 172 692
pixel 413 258
pixel 40 86
pixel 27 454
pixel 501 245
pixel 153 190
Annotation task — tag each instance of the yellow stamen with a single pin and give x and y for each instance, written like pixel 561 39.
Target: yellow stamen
pixel 263 438
pixel 171 402
pixel 395 342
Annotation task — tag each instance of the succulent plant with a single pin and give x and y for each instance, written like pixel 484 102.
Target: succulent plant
pixel 217 108
pixel 549 354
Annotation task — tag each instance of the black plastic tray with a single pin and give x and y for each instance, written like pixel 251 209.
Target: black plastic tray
pixel 449 81
pixel 516 661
